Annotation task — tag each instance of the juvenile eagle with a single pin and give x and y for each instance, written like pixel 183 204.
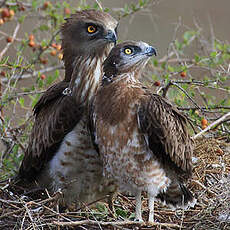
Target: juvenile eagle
pixel 142 139
pixel 60 153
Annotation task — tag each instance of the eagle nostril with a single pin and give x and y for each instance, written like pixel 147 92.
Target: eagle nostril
pixel 150 51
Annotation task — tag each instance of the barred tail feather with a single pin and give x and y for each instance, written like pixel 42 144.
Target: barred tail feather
pixel 177 195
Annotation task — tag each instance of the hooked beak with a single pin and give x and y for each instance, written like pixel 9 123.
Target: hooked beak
pixel 111 37
pixel 150 51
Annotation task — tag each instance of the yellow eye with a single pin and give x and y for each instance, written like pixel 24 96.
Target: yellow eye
pixel 91 29
pixel 128 51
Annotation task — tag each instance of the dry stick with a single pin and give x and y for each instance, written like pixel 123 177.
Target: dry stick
pixel 113 223
pixel 24 208
pixel 11 213
pixel 211 125
pixel 56 213
pixel 30 216
pixel 10 43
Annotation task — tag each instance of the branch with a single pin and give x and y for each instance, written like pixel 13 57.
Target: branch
pixel 192 82
pixel 29 75
pixel 9 44
pixel 42 50
pixel 166 88
pixel 198 107
pixel 113 223
pixel 7 35
pixel 211 125
pixel 204 108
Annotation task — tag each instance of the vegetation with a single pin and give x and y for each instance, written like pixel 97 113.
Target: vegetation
pixel 198 83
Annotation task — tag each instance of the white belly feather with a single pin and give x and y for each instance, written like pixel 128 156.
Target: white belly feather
pixel 77 169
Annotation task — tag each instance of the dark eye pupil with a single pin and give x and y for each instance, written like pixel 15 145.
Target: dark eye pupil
pixel 91 29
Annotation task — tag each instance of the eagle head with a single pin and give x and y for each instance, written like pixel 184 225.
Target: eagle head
pixel 126 57
pixel 88 31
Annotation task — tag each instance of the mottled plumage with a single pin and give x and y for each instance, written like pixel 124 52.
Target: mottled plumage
pixel 142 139
pixel 60 153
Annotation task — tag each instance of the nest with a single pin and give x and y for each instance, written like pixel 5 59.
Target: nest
pixel 210 185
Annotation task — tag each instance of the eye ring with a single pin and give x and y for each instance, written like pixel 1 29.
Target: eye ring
pixel 128 51
pixel 91 29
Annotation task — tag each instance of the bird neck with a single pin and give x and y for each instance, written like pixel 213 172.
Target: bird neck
pixel 85 75
pixel 109 78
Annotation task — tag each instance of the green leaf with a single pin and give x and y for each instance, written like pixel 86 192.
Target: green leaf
pixel 188 35
pixel 21 101
pixel 101 208
pixel 34 4
pixel 22 18
pixel 213 54
pixel 178 45
pixel 44 27
pixel 121 212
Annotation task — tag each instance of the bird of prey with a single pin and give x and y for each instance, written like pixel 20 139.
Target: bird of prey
pixel 60 154
pixel 143 140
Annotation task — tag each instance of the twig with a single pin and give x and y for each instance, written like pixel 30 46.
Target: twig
pixel 113 223
pixel 10 43
pixel 18 3
pixel 29 75
pixel 7 35
pixel 47 47
pixel 198 107
pixel 99 4
pixel 12 213
pixel 166 88
pixel 211 125
pixel 28 211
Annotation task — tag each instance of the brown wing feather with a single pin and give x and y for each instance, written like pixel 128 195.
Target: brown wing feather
pixel 167 133
pixel 91 125
pixel 55 116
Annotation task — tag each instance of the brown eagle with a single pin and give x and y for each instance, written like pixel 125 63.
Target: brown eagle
pixel 142 139
pixel 60 154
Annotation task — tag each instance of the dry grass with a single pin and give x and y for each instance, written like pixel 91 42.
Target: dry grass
pixel 210 184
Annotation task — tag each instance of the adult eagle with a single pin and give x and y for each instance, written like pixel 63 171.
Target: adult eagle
pixel 60 154
pixel 143 140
